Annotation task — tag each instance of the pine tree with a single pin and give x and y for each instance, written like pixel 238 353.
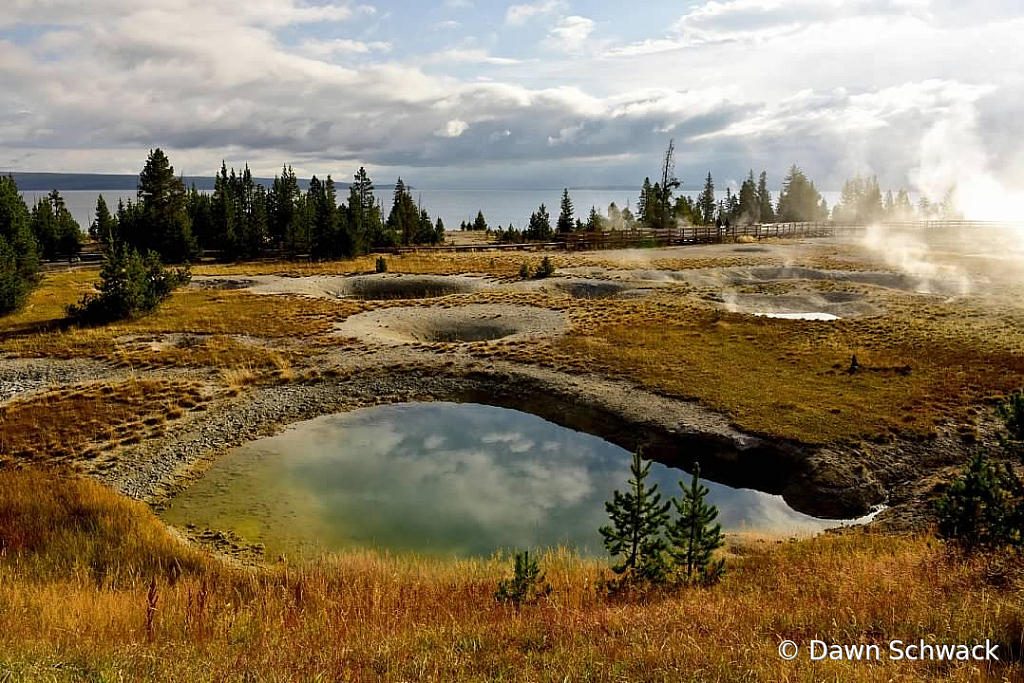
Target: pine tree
pixel 56 231
pixel 614 217
pixel 948 209
pixel 200 212
pixel 44 228
pixel 904 209
pixel 692 538
pixel 730 205
pixel 69 233
pixel 130 286
pixel 540 225
pixel 764 199
pixel 643 204
pixel 977 510
pixel 259 223
pixel 1011 411
pixel 651 217
pixel 706 201
pixel 104 225
pixel 404 219
pixel 800 200
pixel 889 205
pixel 225 222
pixel 669 182
pixel 595 221
pixel 925 208
pixel 19 259
pixel 566 218
pixel 638 517
pixel 871 209
pixel 166 228
pixel 480 223
pixel 748 209
pixel 628 219
pixel 425 231
pixel 527 582
pixel 850 198
pixel 282 209
pixel 322 204
pixel 364 217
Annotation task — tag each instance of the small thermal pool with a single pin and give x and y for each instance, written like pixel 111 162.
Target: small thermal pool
pixel 437 479
pixel 801 316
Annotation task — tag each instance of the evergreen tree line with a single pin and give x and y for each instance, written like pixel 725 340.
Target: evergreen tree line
pixel 46 231
pixel 244 219
pixel 56 231
pixel 19 250
pixel 862 201
pixel 658 206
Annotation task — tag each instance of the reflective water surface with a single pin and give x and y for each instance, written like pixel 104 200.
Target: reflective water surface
pixel 439 479
pixel 802 316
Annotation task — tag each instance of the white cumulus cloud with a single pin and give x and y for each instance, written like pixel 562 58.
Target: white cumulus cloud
pixel 570 34
pixel 518 15
pixel 452 129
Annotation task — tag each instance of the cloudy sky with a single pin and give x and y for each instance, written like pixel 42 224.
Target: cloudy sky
pixel 479 93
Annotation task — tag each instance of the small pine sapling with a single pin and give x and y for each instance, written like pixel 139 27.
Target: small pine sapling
pixel 545 269
pixel 694 536
pixel 527 583
pixel 1012 413
pixel 975 511
pixel 638 517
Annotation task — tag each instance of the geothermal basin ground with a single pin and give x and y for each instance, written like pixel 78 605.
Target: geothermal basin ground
pixel 821 372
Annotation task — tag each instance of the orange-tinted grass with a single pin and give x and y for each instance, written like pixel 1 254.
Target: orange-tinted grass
pixel 368 616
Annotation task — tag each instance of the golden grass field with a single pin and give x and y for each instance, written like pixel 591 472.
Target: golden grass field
pixel 93 588
pixel 788 378
pixel 67 423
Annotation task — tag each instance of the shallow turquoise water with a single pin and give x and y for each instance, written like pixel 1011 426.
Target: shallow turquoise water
pixel 437 479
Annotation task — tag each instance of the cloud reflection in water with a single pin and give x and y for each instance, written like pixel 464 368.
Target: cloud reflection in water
pixel 437 478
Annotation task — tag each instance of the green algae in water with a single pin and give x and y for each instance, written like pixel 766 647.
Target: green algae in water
pixel 436 479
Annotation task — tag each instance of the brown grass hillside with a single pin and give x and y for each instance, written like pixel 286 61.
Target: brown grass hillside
pixel 93 588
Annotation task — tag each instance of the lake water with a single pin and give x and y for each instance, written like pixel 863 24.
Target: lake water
pixel 437 479
pixel 500 207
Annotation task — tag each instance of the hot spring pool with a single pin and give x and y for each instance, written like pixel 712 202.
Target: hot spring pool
pixel 437 479
pixel 801 316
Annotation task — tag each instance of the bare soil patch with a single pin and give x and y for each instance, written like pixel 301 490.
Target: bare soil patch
pixel 471 323
pixel 382 286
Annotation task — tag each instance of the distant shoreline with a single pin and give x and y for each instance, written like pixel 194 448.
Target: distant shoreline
pixel 109 182
pixel 103 182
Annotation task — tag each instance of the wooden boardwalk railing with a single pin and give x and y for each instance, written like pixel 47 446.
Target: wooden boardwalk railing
pixel 683 234
pixel 710 234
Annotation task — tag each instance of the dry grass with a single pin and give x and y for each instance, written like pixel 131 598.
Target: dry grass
pixel 788 378
pixel 93 590
pixel 425 263
pixel 40 330
pixel 218 351
pixel 498 264
pixel 72 423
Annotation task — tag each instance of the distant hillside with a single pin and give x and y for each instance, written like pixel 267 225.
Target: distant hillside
pixel 99 182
